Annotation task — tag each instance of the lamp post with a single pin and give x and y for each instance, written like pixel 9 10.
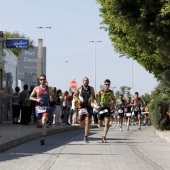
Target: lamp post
pixel 44 32
pixel 95 62
pixel 66 74
pixel 132 80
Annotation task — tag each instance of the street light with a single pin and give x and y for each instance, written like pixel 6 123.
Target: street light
pixel 95 62
pixel 132 80
pixel 66 74
pixel 44 31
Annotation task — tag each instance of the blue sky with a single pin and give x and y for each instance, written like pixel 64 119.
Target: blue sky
pixel 74 23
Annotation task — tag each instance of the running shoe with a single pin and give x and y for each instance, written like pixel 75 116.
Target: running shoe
pixel 85 140
pixel 127 129
pixel 42 141
pixel 104 139
pixel 139 128
pixel 120 129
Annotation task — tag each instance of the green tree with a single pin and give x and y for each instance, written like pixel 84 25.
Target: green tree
pixel 140 30
pixel 13 35
pixel 146 97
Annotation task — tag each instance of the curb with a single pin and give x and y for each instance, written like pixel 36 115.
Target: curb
pixel 164 135
pixel 36 135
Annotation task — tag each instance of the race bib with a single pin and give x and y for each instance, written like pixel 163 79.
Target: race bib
pixel 120 111
pixel 41 109
pixel 128 114
pixel 136 109
pixel 125 109
pixel 103 111
pixel 83 111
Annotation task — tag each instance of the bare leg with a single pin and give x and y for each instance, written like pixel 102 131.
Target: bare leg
pixel 139 120
pixel 87 126
pixel 44 126
pixel 106 128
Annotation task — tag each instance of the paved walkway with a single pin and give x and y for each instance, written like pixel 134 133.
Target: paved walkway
pixel 15 134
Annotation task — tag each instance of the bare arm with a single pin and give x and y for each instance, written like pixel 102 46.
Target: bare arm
pixel 32 95
pixel 76 94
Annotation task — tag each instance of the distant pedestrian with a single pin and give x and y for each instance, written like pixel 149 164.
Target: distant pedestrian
pixel 16 105
pixel 51 112
pixel 32 107
pixel 25 106
pixel 58 108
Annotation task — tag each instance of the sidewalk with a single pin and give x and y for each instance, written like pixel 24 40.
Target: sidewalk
pixel 164 135
pixel 15 134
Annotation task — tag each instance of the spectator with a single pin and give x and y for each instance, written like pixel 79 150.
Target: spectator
pixel 51 112
pixel 66 107
pixel 25 106
pixel 32 109
pixel 15 105
pixel 58 108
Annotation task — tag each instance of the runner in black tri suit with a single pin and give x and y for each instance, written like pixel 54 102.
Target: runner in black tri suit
pixel 85 95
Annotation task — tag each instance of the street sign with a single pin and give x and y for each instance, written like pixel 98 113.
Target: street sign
pixel 73 84
pixel 17 43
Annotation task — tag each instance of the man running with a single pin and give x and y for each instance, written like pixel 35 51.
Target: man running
pixel 120 104
pixel 128 112
pixel 84 94
pixel 136 103
pixel 106 100
pixel 42 106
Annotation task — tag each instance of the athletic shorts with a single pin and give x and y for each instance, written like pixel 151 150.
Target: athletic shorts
pixel 81 117
pixel 101 117
pixel 136 113
pixel 126 117
pixel 121 115
pixel 39 116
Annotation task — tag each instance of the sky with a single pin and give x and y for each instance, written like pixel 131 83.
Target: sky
pixel 70 54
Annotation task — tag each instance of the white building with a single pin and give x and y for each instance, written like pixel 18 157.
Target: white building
pixel 10 66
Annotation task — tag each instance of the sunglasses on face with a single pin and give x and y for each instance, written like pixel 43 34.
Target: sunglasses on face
pixel 107 84
pixel 42 79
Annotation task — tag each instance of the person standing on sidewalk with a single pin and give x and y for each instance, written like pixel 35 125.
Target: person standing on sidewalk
pixel 42 107
pixel 16 105
pixel 25 104
pixel 84 94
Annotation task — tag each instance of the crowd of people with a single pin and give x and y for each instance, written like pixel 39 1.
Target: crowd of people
pixel 50 106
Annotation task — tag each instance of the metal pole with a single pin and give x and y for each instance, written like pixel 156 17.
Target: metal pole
pixel 132 79
pixel 1 76
pixel 40 57
pixel 66 74
pixel 44 32
pixel 95 64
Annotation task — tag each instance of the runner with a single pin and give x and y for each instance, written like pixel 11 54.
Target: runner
pixel 128 112
pixel 106 100
pixel 120 104
pixel 42 105
pixel 136 103
pixel 84 94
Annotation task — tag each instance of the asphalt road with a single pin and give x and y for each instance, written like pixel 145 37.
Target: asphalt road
pixel 125 150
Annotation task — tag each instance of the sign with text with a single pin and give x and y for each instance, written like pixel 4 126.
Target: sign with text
pixel 28 62
pixel 17 43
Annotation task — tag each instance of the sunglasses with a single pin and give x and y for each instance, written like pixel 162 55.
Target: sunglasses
pixel 42 79
pixel 107 84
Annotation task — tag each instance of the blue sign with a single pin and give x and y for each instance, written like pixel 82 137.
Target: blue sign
pixel 17 43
